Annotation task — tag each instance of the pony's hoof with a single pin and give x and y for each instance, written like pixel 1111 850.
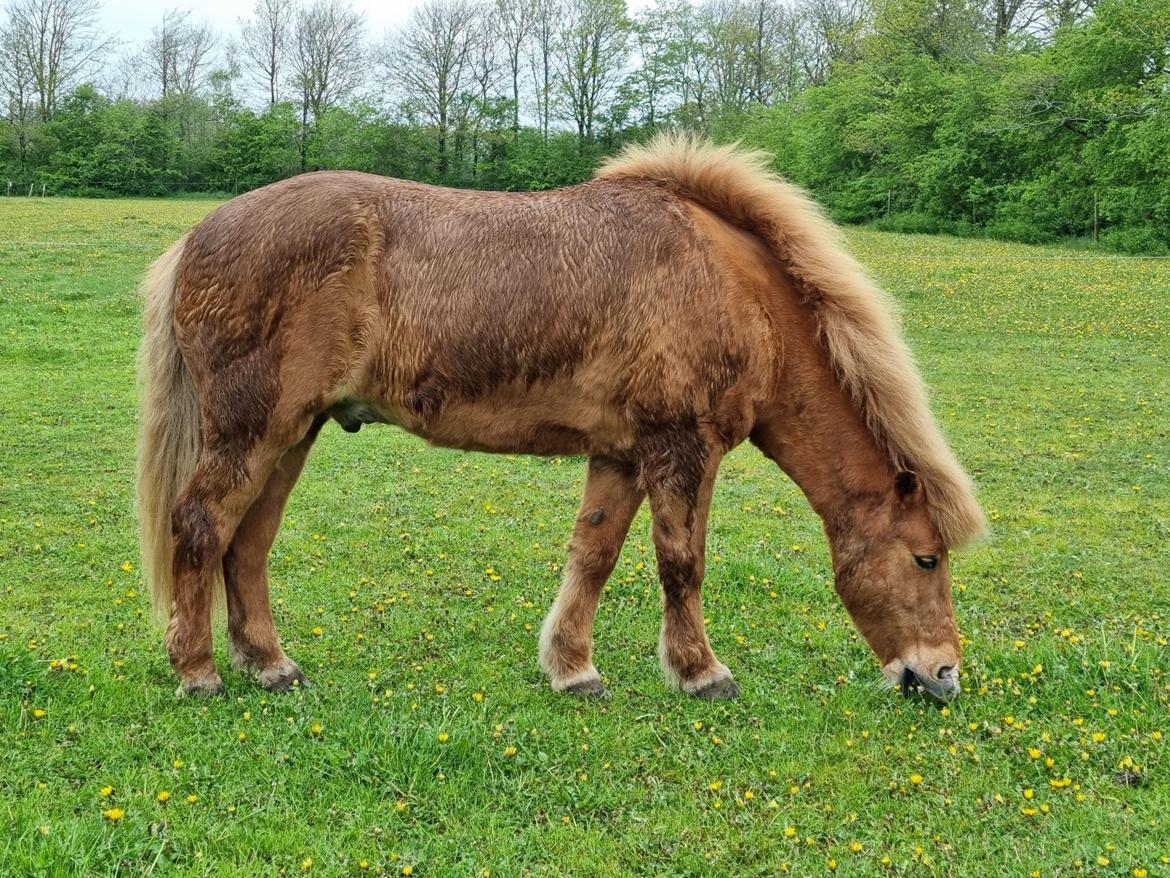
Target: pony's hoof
pixel 282 679
pixel 594 689
pixel 203 687
pixel 719 690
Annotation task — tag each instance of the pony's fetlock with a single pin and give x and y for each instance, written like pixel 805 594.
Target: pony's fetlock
pixel 282 676
pixel 202 685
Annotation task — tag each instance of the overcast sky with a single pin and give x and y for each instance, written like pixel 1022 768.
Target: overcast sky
pixel 132 21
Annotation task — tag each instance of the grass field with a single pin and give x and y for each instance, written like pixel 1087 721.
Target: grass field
pixel 411 583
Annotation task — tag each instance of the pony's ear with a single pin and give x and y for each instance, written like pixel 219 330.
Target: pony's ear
pixel 906 485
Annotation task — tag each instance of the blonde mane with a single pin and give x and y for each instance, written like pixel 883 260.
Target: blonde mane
pixel 855 318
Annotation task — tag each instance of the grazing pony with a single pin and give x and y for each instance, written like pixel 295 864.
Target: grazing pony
pixel 653 318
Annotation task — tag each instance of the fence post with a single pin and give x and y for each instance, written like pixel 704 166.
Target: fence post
pixel 889 201
pixel 30 185
pixel 9 192
pixel 1096 224
pixel 42 190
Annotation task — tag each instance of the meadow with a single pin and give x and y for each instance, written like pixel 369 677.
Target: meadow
pixel 410 584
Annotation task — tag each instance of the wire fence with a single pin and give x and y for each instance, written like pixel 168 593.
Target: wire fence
pixel 128 188
pixel 17 243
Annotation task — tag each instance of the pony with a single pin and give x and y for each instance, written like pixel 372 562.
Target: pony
pixel 684 300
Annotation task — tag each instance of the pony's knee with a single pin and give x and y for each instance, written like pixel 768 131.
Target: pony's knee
pixel 595 557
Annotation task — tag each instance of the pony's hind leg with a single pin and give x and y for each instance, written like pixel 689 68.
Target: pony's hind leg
pixel 204 518
pixel 232 470
pixel 680 484
pixel 253 642
pixel 611 500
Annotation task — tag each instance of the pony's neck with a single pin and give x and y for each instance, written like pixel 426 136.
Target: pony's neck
pixel 824 448
pixel 806 423
pixel 815 433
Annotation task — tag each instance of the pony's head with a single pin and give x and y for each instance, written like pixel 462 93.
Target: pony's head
pixel 892 574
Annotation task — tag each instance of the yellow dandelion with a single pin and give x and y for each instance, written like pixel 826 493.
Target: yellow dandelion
pixel 163 795
pixel 443 737
pixel 38 713
pixel 408 870
pixel 114 814
pixel 316 728
pixel 509 751
pixel 106 791
pixel 916 779
pixel 192 799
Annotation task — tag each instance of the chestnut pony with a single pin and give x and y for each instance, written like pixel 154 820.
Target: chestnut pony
pixel 684 300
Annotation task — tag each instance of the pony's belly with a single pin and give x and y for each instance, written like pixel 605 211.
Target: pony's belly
pixel 546 421
pixel 549 439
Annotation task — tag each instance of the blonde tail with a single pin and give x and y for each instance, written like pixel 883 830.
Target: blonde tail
pixel 169 439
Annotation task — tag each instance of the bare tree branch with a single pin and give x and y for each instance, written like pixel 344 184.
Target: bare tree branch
pixel 431 60
pixel 178 55
pixel 264 42
pixel 59 43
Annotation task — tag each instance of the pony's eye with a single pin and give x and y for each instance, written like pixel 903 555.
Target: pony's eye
pixel 926 562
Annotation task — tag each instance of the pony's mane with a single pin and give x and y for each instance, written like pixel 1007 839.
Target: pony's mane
pixel 854 317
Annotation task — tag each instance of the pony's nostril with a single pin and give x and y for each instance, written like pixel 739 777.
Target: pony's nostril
pixel 908 681
pixel 947 672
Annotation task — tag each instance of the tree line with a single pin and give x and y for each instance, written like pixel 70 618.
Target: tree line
pixel 1024 119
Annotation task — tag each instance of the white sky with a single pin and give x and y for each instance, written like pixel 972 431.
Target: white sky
pixel 132 21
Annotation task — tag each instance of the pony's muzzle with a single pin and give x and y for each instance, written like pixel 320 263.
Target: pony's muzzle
pixel 943 684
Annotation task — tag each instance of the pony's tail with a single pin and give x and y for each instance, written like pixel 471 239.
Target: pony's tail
pixel 169 437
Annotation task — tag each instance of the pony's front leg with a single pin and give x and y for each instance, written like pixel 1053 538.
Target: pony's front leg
pixel 679 502
pixel 611 500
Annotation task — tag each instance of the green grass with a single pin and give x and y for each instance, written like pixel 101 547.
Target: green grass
pixel 1050 373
